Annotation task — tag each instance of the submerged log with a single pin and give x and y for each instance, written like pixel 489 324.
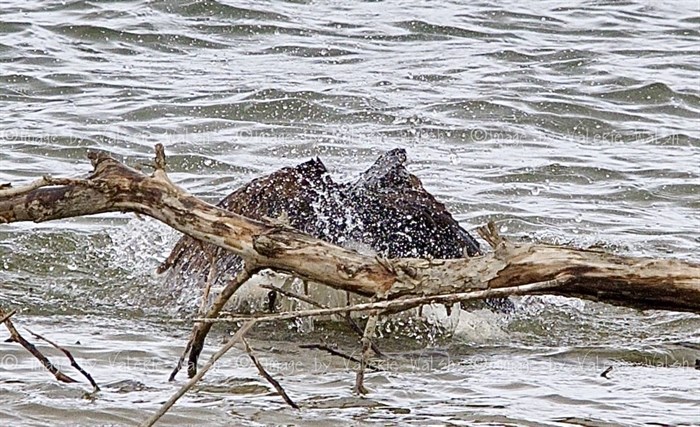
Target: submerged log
pixel 635 282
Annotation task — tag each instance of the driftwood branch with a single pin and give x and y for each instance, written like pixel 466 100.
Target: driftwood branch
pixel 7 190
pixel 635 282
pixel 335 352
pixel 201 330
pixel 18 338
pixel 195 335
pixel 268 377
pixel 70 357
pixel 238 337
pixel 7 316
pixel 370 330
pixel 396 305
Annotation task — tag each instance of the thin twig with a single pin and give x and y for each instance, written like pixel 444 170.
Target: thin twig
pixel 349 320
pixel 267 376
pixel 202 309
pixel 181 361
pixel 7 316
pixel 216 356
pixel 202 329
pixel 7 190
pixel 338 353
pixel 405 303
pixel 358 330
pixel 211 277
pixel 370 329
pixel 15 336
pixel 70 357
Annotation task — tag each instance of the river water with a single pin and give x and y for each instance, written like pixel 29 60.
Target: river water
pixel 569 122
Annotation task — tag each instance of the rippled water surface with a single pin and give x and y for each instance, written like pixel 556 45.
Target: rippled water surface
pixel 569 122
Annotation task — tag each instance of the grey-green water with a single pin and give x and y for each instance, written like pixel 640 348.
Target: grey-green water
pixel 572 122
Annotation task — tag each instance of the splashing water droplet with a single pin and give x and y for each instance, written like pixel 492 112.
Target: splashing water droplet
pixel 454 159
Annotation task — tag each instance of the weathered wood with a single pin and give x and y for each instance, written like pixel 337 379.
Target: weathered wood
pixel 201 330
pixel 15 336
pixel 238 337
pixel 635 282
pixel 71 359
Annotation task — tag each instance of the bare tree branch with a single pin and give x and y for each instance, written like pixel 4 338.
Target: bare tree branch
pixel 268 377
pixel 395 305
pixel 18 338
pixel 70 357
pixel 216 356
pixel 635 282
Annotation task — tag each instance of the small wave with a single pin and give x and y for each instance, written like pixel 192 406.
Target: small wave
pixel 160 41
pixel 450 31
pixel 220 10
pixel 307 52
pixel 517 18
pixel 652 93
pixel 252 29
